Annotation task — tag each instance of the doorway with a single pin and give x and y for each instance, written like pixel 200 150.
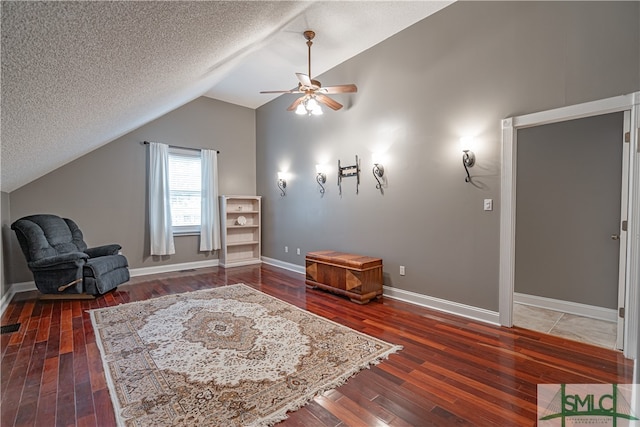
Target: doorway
pixel 568 214
pixel 629 249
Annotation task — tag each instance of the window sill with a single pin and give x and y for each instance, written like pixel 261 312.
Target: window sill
pixel 185 233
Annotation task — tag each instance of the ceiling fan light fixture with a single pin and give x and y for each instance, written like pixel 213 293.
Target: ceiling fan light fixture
pixel 300 110
pixel 309 106
pixel 312 104
pixel 313 107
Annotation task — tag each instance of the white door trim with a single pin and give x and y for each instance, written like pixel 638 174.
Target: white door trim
pixel 624 212
pixel 510 127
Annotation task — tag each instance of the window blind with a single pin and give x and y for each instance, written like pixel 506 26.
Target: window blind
pixel 185 187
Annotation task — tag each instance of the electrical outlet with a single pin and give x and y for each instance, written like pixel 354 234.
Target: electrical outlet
pixel 488 204
pixel 286 249
pixel 402 270
pixel 298 251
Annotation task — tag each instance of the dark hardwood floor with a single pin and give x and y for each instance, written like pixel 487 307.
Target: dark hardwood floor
pixel 452 370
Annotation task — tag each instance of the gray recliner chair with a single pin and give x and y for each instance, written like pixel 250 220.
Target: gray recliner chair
pixel 60 261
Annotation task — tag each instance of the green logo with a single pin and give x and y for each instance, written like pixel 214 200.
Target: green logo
pixel 586 404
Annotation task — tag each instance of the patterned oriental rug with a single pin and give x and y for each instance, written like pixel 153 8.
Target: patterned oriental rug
pixel 229 356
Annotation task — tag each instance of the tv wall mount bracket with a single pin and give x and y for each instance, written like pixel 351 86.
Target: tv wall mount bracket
pixel 349 171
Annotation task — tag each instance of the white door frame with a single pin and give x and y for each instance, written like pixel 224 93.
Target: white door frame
pixel 510 127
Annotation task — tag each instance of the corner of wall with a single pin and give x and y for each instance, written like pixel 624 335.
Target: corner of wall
pixel 5 242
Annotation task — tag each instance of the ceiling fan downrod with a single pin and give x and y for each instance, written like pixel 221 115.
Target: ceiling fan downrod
pixel 309 35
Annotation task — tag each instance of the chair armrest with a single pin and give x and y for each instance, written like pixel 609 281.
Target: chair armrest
pixel 103 250
pixel 70 257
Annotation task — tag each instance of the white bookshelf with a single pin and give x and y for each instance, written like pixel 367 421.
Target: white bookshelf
pixel 240 230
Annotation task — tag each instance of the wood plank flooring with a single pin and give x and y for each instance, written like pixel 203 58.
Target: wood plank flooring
pixel 452 370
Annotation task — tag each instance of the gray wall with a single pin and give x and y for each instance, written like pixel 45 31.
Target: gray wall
pixel 568 205
pixel 105 190
pixel 454 74
pixel 636 370
pixel 5 242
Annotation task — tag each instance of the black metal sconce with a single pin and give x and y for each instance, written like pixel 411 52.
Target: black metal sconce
pixel 378 172
pixel 282 183
pixel 321 177
pixel 468 160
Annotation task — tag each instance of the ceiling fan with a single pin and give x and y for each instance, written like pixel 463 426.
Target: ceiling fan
pixel 314 93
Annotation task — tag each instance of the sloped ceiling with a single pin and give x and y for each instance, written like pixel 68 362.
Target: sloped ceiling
pixel 77 75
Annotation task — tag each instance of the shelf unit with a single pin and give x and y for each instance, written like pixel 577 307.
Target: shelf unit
pixel 240 241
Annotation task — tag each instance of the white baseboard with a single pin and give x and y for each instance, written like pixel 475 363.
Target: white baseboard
pixel 6 299
pixel 133 272
pixel 389 292
pixel 240 263
pixel 594 312
pixel 4 302
pixel 23 287
pixel 413 298
pixel 286 265
pixel 14 289
pixel 447 306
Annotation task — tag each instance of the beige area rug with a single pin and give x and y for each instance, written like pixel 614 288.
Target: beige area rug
pixel 229 356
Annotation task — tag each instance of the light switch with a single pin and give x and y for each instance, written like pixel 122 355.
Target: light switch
pixel 488 204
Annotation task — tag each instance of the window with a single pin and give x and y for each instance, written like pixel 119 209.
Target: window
pixel 185 190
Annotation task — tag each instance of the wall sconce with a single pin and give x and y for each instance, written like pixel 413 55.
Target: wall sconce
pixel 378 172
pixel 468 160
pixel 282 183
pixel 321 177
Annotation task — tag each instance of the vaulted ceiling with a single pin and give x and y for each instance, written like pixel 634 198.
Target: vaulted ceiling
pixel 77 75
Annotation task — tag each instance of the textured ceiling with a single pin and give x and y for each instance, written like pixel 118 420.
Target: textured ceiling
pixel 77 75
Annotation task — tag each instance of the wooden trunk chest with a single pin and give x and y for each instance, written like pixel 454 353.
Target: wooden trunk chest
pixel 356 276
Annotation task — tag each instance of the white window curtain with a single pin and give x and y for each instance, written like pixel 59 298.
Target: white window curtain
pixel 210 224
pixel 160 229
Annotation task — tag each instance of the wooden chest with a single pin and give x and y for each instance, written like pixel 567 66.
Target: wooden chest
pixel 356 276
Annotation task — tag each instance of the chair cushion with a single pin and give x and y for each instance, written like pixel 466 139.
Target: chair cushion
pixel 103 250
pixel 106 282
pixel 43 236
pixel 96 267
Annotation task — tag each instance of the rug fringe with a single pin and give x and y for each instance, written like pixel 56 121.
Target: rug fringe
pixel 111 387
pixel 281 415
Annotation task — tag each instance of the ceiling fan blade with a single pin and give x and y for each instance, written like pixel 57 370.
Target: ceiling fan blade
pixel 280 91
pixel 334 105
pixel 351 88
pixel 304 79
pixel 295 104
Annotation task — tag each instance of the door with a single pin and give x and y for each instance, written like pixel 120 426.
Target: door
pixel 568 212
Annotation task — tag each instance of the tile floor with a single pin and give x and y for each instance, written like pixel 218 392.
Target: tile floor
pixel 598 332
